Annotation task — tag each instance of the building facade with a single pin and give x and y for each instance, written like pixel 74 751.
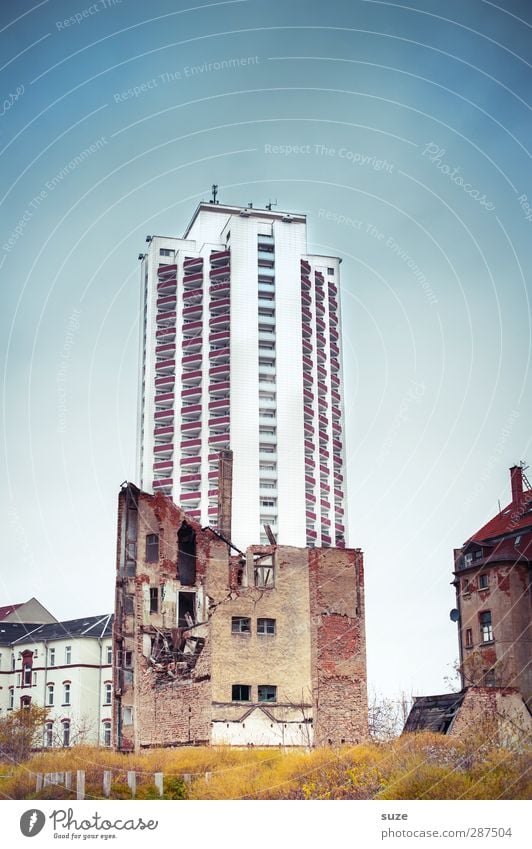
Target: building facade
pixel 216 645
pixel 494 617
pixel 241 350
pixel 494 596
pixel 66 667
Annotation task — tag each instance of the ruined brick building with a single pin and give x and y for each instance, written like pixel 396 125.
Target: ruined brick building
pixel 493 612
pixel 217 645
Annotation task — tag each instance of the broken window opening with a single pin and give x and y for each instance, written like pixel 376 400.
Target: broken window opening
pixel 186 555
pixel 154 599
pixel 240 693
pixel 174 653
pixel 186 613
pixel 152 548
pixel 264 572
pixel 240 625
pixel 267 693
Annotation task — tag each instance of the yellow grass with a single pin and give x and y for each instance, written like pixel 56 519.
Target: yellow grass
pixel 416 766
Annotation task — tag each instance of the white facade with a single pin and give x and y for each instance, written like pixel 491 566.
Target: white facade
pixel 66 667
pixel 240 349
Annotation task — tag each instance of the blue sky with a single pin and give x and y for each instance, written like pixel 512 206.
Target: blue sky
pixel 413 128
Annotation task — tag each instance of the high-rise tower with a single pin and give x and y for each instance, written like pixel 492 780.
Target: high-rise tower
pixel 241 349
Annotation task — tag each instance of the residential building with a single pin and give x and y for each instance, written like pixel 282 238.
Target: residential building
pixel 66 667
pixel 241 350
pixel 27 612
pixel 493 614
pixel 213 644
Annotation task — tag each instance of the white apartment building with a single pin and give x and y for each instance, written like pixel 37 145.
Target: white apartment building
pixel 65 666
pixel 241 350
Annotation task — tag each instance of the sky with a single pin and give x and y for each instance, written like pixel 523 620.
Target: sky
pixel 403 131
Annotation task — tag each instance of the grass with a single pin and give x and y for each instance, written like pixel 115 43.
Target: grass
pixel 416 766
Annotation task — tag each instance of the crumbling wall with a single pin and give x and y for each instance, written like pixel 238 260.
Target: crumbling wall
pixel 338 646
pixel 493 712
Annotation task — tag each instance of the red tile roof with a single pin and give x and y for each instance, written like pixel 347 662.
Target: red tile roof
pixel 10 608
pixel 516 516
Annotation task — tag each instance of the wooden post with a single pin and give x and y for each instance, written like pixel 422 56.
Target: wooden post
pixel 187 778
pixel 68 780
pixel 80 784
pixel 47 779
pixel 132 782
pixel 159 782
pixel 208 776
pixel 38 782
pixel 107 782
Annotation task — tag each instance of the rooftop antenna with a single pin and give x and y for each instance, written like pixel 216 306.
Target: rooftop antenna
pixel 270 204
pixel 250 206
pixel 524 467
pixel 214 193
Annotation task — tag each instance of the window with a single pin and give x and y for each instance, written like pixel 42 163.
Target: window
pixel 469 638
pixel 267 693
pixel 154 599
pixel 107 734
pixel 127 715
pixel 50 695
pixel 265 626
pixel 165 252
pixel 240 625
pixel 68 654
pixel 240 693
pixel 109 654
pixel 51 657
pixel 26 679
pixel 66 732
pixel 483 582
pixel 517 540
pixel 108 693
pixel 330 271
pixel 66 693
pixel 25 702
pixel 264 576
pixel 13 662
pixel 128 659
pixel 267 502
pixel 11 701
pixel 49 734
pixel 186 611
pixel 489 678
pixel 152 548
pixel 465 585
pixel 486 627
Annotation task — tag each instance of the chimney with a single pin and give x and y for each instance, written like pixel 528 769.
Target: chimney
pixel 225 492
pixel 516 479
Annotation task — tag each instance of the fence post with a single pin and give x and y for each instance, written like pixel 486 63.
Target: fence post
pixel 68 780
pixel 38 782
pixel 187 778
pixel 132 782
pixel 208 777
pixel 159 782
pixel 80 784
pixel 107 782
pixel 47 779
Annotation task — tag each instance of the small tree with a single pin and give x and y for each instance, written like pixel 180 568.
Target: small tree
pixel 21 731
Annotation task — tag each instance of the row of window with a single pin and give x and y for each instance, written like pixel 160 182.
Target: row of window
pixel 63 738
pixel 483 582
pixel 51 661
pixel 242 693
pixel 242 625
pixel 67 695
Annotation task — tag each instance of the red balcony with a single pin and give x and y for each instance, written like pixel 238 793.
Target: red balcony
pixel 216 256
pixel 335 350
pixel 163 483
pixel 324 503
pixel 305 284
pixel 216 388
pixel 322 373
pixel 220 320
pixel 165 397
pixel 191 359
pixel 310 480
pixel 338 493
pixel 166 317
pixel 164 365
pixel 310 515
pixel 192 327
pixel 306 299
pixel 337 427
pixel 192 311
pixel 190 496
pixel 324 470
pixel 190 376
pixel 339 527
pixel 337 444
pixel 213 475
pixel 194 514
pixel 308 411
pixel 320 340
pixel 165 271
pixel 167 448
pixel 332 289
pixel 191 461
pixel 187 427
pixel 333 334
pixel 166 301
pixel 219 438
pixel 310 498
pixel 308 380
pixel 163 415
pixel 193 277
pixel 306 313
pixel 323 420
pixel 222 370
pixel 168 348
pixel 220 274
pixel 220 354
pixel 167 287
pixel 309 396
pixel 163 431
pixel 339 478
pixel 220 306
pixel 192 261
pixel 191 409
pixel 220 336
pixel 309 445
pixel 192 296
pixel 335 381
pixel 333 319
pixel 307 347
pixel 220 288
pixel 326 521
pixel 321 325
pixel 309 430
pixel 320 309
pixel 219 421
pixel 165 334
pixel 188 444
pixel 324 453
pixel 311 535
pixel 305 266
pixel 164 464
pixel 190 478
pixel 322 404
pixel 220 404
pixel 193 392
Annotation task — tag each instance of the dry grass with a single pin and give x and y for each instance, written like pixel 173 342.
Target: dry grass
pixel 417 766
